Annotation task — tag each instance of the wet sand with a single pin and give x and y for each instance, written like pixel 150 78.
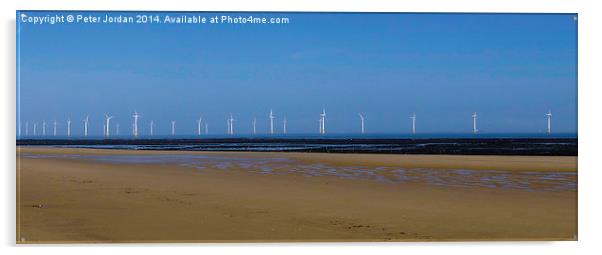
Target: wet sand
pixel 86 200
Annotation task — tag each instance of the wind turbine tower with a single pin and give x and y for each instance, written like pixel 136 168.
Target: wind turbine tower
pixel 44 128
pixel 173 127
pixel 413 117
pixel 117 129
pixel 323 122
pixel 362 119
pixel 474 123
pixel 228 124
pixel 108 125
pixel 254 125
pixel 549 116
pixel 152 125
pixel 231 123
pixel 26 128
pixel 199 122
pixel 54 128
pixel 284 125
pixel 68 127
pixel 272 117
pixel 206 128
pixel 35 127
pixel 86 125
pixel 135 127
pixel 320 125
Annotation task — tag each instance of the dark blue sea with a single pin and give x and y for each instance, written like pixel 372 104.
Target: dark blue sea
pixel 470 144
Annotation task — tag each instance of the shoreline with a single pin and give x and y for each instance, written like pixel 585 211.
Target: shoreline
pixel 86 201
pixel 473 162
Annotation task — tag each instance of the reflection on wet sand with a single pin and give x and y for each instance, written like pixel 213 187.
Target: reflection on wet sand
pixel 523 180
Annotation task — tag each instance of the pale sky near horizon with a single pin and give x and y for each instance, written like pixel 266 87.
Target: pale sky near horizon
pixel 510 68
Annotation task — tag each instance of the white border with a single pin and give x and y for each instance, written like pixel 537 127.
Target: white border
pixel 589 142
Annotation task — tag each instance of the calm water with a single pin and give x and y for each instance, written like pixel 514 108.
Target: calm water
pixel 482 144
pixel 318 136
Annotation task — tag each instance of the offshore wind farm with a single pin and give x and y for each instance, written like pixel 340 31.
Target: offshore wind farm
pixel 333 127
pixel 23 130
pixel 360 142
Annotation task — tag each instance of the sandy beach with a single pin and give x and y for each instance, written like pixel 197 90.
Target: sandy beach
pixel 94 195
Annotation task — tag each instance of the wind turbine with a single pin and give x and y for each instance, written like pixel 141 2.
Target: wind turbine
pixel 272 117
pixel 26 128
pixel 35 126
pixel 43 128
pixel 284 125
pixel 323 121
pixel 231 122
pixel 549 116
pixel 85 125
pixel 362 119
pixel 54 128
pixel 474 123
pixel 199 122
pixel 254 125
pixel 173 127
pixel 413 117
pixel 108 125
pixel 152 124
pixel 135 127
pixel 68 127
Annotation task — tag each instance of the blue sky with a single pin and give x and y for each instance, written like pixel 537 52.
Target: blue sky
pixel 510 68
